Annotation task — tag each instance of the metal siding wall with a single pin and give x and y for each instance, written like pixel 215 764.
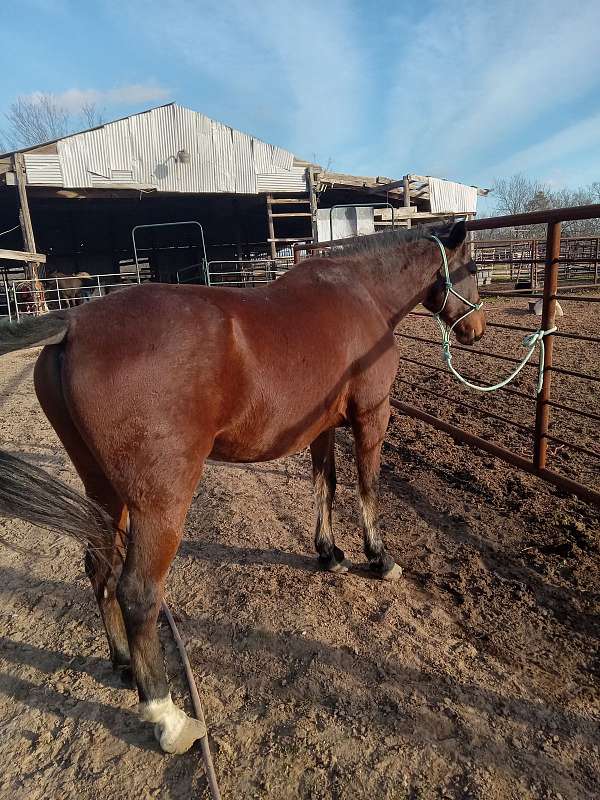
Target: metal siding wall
pixel 43 169
pixel 222 159
pixel 292 181
pixel 451 197
pixel 244 172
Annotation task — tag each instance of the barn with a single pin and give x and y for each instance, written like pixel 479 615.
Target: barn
pixel 171 195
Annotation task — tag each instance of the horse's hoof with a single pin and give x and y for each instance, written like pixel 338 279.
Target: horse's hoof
pixel 336 562
pixel 175 731
pixel 339 567
pixel 387 571
pixel 179 741
pixel 126 677
pixel 392 574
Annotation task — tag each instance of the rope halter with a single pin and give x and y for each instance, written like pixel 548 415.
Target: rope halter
pixel 530 341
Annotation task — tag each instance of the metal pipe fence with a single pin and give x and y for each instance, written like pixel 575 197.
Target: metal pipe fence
pixel 513 260
pixel 245 274
pixel 540 438
pixel 19 296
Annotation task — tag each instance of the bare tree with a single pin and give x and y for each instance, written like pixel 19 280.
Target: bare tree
pixel 91 115
pixel 41 118
pixel 37 119
pixel 518 194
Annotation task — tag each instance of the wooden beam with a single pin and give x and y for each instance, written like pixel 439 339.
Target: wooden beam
pixel 399 213
pixel 27 229
pixel 314 201
pixel 19 255
pixel 302 214
pixel 387 187
pixel 406 192
pixel 343 180
pixel 271 228
pixel 290 239
pixel 287 201
pixel 401 216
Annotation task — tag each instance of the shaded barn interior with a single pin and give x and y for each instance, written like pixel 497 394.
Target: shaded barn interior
pixel 78 199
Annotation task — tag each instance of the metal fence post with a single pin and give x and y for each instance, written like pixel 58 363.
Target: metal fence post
pixel 542 410
pixel 14 288
pixel 8 308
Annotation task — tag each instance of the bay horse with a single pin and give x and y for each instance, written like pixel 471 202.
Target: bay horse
pixel 146 385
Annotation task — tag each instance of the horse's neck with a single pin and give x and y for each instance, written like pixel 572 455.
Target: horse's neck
pixel 399 278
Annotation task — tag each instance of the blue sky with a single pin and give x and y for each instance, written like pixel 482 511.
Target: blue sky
pixel 466 91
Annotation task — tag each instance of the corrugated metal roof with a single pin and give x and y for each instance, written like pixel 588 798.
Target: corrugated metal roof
pixel 142 149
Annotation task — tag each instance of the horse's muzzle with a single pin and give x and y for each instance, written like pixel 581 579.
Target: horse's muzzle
pixel 470 329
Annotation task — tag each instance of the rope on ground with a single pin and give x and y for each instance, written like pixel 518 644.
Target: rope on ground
pixel 206 754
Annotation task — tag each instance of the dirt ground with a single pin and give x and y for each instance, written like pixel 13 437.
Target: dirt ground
pixel 475 676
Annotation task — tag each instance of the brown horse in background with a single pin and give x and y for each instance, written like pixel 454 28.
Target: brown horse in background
pixel 146 385
pixel 71 289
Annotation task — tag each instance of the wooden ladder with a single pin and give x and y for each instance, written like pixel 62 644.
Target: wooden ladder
pixel 272 216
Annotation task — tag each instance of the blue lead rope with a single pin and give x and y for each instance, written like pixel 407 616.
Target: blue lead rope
pixel 530 341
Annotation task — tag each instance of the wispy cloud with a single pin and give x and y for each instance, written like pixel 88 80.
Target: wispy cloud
pixel 568 142
pixel 134 94
pixel 291 66
pixel 474 83
pixel 454 89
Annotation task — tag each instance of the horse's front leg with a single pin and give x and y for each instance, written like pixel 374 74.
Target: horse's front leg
pixel 369 427
pixel 322 451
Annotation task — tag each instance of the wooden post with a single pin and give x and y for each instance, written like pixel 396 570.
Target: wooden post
pixel 511 256
pixel 406 186
pixel 596 259
pixel 271 227
pixel 312 196
pixel 28 237
pixel 542 410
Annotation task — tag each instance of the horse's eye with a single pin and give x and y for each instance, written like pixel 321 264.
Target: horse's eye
pixel 472 267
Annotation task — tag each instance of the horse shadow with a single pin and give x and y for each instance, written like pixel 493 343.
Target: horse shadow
pixel 439 702
pixel 563 602
pixel 218 553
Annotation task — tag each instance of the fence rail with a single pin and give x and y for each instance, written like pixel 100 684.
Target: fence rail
pixel 18 298
pixel 520 259
pixel 540 434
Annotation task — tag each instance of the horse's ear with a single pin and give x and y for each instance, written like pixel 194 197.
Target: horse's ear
pixel 455 236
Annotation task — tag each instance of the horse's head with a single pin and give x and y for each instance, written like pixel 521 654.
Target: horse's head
pixel 449 292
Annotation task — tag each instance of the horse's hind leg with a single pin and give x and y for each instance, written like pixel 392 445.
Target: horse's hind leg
pixel 369 432
pixel 155 536
pixel 322 451
pixel 104 568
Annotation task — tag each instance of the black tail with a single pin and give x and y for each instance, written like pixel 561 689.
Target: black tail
pixel 34 332
pixel 32 494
